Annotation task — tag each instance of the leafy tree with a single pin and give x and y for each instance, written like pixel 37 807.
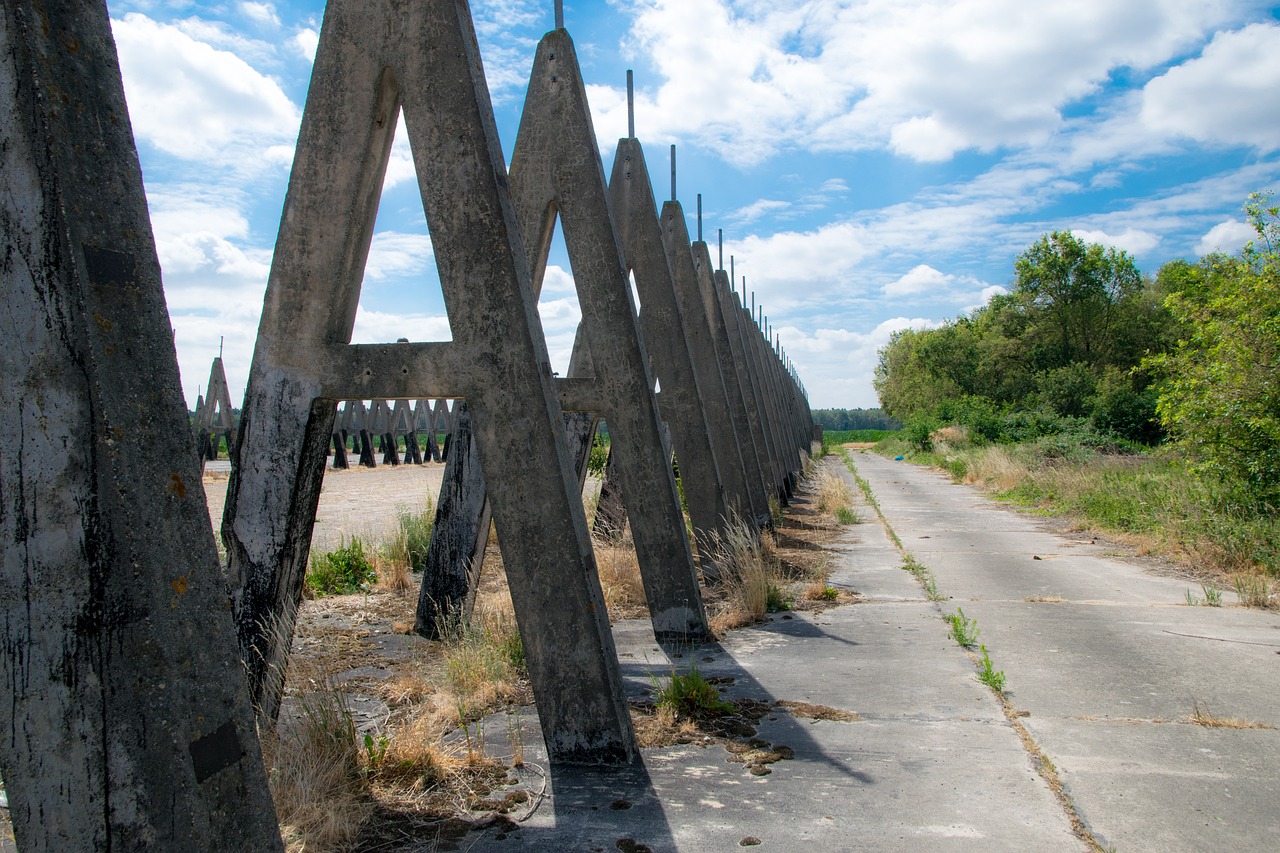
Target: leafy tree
pixel 1221 391
pixel 1075 289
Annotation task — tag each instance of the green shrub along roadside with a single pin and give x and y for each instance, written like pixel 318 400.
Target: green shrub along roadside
pixel 1155 498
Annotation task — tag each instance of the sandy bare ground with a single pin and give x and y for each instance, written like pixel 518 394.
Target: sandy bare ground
pixel 364 502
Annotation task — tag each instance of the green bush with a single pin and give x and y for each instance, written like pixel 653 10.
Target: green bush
pixel 342 571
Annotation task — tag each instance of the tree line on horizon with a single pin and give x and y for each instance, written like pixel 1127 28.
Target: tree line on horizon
pixel 1083 341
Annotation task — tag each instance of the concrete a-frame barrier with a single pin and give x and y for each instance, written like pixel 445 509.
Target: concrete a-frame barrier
pixel 752 391
pixel 748 438
pixel 375 58
pixel 214 420
pixel 704 349
pixel 126 723
pixel 666 338
pixel 556 172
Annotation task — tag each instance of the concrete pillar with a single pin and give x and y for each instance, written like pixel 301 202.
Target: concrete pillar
pixel 456 551
pixel 556 169
pixel 666 338
pixel 704 350
pixel 375 57
pixel 126 723
pixel 733 380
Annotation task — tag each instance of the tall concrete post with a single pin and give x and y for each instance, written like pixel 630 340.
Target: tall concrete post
pixel 707 364
pixel 126 723
pixel 556 170
pixel 748 439
pixel 666 338
pixel 375 58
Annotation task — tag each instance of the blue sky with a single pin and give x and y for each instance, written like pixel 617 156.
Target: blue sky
pixel 873 165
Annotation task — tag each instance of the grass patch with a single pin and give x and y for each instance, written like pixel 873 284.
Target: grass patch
pixel 345 570
pixel 845 515
pixel 749 569
pixel 922 574
pixel 831 494
pixel 688 696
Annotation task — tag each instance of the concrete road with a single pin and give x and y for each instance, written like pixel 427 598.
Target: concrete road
pixel 1104 666
pixel 1109 664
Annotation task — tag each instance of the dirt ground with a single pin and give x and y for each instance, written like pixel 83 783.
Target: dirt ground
pixel 364 502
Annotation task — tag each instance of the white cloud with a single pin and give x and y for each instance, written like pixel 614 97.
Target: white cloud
pixel 1227 95
pixel 382 327
pixel 1228 237
pixel 1131 240
pixel 926 79
pixel 305 42
pixel 260 13
pixel 921 279
pixel 837 364
pixel 756 210
pixel 395 254
pixel 196 102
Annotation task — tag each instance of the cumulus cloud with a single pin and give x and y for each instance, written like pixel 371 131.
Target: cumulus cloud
pixel 396 254
pixel 1227 237
pixel 305 42
pixel 844 359
pixel 925 79
pixel 196 102
pixel 921 279
pixel 1131 240
pixel 756 210
pixel 263 14
pixel 1224 96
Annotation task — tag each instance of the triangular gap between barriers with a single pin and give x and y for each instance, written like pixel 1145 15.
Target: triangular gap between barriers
pixel 400 293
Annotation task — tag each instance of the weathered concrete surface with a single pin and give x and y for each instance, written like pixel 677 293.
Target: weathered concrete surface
pixel 1109 669
pixel 666 338
pixel 734 382
pixel 126 723
pixel 932 765
pixel 458 533
pixel 702 339
pixel 374 58
pixel 556 170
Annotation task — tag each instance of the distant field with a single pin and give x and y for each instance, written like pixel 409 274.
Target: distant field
pixel 845 436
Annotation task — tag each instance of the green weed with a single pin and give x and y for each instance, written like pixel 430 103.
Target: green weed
pixel 964 631
pixel 988 674
pixel 689 695
pixel 345 570
pixel 844 515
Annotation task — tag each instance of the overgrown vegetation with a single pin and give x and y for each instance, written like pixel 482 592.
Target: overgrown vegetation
pixel 688 695
pixel 344 570
pixel 1148 408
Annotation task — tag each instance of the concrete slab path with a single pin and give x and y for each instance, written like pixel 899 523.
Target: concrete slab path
pixel 1104 663
pixel 1109 664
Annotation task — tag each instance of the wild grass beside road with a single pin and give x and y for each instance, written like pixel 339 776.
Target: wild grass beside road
pixel 1151 501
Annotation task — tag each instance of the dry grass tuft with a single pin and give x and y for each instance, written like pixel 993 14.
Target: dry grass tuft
pixel 1254 590
pixel 809 711
pixel 749 568
pixel 832 493
pixel 620 578
pixel 317 783
pixel 995 467
pixel 1201 716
